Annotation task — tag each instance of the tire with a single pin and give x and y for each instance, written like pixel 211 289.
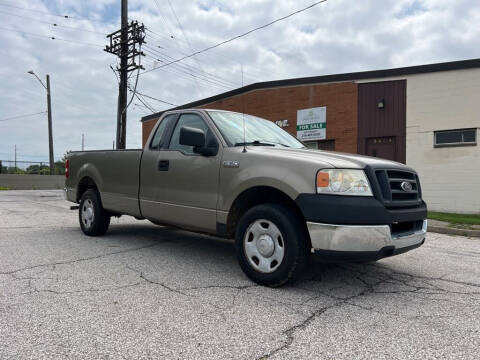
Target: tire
pixel 93 218
pixel 262 227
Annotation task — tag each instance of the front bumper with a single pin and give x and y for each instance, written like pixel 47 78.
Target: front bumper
pixel 361 242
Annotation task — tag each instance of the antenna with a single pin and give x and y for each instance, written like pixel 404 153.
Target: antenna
pixel 243 114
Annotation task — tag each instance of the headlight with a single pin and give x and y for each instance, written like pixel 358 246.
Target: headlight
pixel 343 182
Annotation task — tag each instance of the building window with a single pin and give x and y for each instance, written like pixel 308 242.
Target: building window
pixel 311 144
pixel 326 145
pixel 458 137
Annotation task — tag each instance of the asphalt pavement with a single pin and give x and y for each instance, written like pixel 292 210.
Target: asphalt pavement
pixel 147 292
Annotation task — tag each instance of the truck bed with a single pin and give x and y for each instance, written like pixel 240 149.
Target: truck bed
pixel 116 173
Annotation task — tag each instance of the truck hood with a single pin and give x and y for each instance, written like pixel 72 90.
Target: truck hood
pixel 334 159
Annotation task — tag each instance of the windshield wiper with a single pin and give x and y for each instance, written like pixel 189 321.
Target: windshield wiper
pixel 261 143
pixel 276 143
pixel 254 143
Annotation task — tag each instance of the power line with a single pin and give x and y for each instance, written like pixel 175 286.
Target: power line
pixel 163 19
pixel 136 79
pixel 238 36
pixel 53 24
pixel 154 40
pixel 182 30
pixel 193 75
pixel 135 105
pixel 193 72
pixel 151 97
pixel 51 37
pixel 143 101
pixel 158 37
pixel 216 77
pixel 51 14
pixel 23 116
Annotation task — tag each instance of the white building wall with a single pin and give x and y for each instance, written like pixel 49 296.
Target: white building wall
pixel 450 176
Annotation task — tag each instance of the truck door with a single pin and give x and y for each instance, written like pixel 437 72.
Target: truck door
pixel 178 186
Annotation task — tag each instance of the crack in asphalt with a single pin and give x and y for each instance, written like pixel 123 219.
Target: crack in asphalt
pixel 35 289
pixel 369 288
pixel 150 281
pixel 182 291
pixel 73 261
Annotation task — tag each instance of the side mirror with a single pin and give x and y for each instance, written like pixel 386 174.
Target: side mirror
pixel 192 137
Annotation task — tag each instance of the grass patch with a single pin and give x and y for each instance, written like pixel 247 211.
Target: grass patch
pixel 5 188
pixel 471 219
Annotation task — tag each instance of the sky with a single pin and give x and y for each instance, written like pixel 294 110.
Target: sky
pixel 333 37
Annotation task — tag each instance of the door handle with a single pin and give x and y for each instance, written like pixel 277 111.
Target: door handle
pixel 163 165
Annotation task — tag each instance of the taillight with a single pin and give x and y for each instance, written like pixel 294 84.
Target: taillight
pixel 66 168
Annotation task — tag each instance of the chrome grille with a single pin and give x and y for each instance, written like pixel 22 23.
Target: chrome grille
pixel 390 181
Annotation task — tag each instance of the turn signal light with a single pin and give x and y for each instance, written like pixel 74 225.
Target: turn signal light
pixel 323 179
pixel 66 168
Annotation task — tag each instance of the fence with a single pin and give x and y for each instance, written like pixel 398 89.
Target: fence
pixel 31 182
pixel 30 167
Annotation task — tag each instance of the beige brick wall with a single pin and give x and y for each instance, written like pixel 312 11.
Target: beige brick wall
pixel 450 176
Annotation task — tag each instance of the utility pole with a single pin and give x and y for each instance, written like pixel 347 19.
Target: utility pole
pixel 123 44
pixel 50 135
pixel 15 159
pixel 49 112
pixel 83 142
pixel 122 87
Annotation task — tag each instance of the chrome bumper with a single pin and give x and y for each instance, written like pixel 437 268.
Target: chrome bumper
pixel 361 238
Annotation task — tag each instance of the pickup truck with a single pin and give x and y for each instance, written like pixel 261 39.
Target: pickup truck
pixel 242 177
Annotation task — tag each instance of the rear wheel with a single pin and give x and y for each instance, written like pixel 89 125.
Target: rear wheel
pixel 271 244
pixel 94 220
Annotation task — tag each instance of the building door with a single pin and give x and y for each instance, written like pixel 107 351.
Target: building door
pixel 382 113
pixel 382 147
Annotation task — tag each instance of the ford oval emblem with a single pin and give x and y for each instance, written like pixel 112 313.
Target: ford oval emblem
pixel 406 186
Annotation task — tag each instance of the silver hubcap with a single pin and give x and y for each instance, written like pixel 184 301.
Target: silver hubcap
pixel 87 213
pixel 264 246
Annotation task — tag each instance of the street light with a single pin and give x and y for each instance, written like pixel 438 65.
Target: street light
pixel 49 112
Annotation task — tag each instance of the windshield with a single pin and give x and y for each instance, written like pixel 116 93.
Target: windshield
pixel 258 131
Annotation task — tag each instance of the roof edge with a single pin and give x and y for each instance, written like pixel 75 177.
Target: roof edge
pixel 360 75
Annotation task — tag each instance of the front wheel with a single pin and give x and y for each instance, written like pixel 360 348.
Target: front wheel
pixel 271 244
pixel 94 220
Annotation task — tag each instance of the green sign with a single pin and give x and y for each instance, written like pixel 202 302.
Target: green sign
pixel 311 126
pixel 312 123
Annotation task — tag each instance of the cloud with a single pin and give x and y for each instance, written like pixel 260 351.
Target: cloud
pixel 334 37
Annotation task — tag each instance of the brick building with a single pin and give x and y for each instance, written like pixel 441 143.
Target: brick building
pixel 419 115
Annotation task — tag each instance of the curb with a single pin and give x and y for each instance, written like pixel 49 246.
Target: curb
pixel 453 231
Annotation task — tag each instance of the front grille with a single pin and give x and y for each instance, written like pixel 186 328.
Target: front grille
pixel 393 194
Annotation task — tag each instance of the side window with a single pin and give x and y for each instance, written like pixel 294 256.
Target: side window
pixel 189 120
pixel 158 137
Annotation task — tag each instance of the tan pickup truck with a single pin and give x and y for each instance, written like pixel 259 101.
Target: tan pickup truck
pixel 243 177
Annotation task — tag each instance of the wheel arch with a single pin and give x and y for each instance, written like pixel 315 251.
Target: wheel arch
pixel 255 196
pixel 84 184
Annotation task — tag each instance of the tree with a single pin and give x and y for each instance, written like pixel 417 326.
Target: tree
pixel 38 169
pixel 60 166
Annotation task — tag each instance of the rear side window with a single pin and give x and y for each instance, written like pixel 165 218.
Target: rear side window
pixel 158 138
pixel 189 120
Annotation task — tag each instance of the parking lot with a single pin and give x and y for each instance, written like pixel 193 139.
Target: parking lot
pixel 143 291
